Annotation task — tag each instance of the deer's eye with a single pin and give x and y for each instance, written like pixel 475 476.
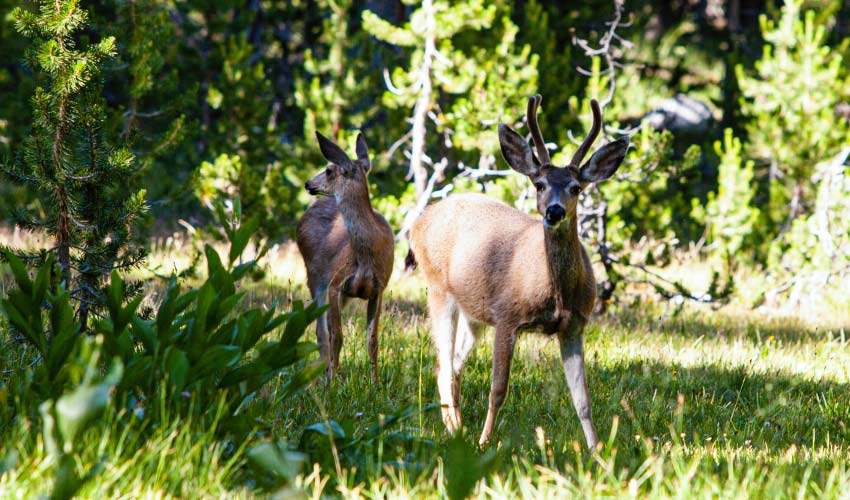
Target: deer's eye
pixel 539 186
pixel 574 190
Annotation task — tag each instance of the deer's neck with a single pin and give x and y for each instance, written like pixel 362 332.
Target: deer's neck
pixel 566 265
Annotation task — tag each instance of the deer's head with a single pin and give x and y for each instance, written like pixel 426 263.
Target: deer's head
pixel 558 188
pixel 342 175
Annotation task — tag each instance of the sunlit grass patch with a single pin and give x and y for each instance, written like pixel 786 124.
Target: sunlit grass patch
pixel 688 402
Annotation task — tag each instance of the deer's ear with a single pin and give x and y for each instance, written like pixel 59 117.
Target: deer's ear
pixel 360 148
pixel 362 153
pixel 332 152
pixel 517 152
pixel 605 161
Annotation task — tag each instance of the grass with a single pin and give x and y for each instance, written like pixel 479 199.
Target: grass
pixel 701 403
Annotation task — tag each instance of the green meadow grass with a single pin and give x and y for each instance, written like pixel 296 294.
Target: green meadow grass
pixel 696 404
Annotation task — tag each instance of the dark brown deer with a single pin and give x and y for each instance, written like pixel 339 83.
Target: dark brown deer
pixel 347 248
pixel 488 263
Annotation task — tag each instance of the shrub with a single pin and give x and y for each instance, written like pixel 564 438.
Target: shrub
pixel 198 351
pixel 789 102
pixel 729 214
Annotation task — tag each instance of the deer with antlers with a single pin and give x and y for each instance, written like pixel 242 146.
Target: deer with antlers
pixel 347 248
pixel 486 263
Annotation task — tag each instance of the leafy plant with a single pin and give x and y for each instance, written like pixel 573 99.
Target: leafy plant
pixel 729 213
pixel 66 419
pixel 365 450
pixel 816 250
pixel 464 466
pixel 65 381
pixel 54 340
pixel 789 101
pixel 199 350
pixel 200 344
pixel 275 466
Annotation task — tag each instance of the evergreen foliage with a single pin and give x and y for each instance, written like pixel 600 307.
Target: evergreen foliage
pixel 151 110
pixel 464 88
pixel 789 101
pixel 79 174
pixel 729 213
pixel 815 252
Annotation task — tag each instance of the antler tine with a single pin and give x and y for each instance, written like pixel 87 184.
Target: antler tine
pixel 594 131
pixel 534 127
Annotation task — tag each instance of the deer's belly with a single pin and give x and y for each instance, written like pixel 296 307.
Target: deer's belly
pixel 540 318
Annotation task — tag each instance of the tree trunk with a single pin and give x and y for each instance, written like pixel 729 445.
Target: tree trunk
pixel 423 103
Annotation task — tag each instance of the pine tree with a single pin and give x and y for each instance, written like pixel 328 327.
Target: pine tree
pixel 336 80
pixel 152 116
pixel 789 102
pixel 729 213
pixel 68 160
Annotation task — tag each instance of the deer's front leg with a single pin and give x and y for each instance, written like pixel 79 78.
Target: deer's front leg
pixel 373 315
pixel 503 353
pixel 572 355
pixel 334 329
pixel 322 338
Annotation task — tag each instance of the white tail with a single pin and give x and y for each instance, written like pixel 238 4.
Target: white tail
pixel 347 248
pixel 488 263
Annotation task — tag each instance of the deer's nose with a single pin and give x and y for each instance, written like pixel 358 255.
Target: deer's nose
pixel 554 214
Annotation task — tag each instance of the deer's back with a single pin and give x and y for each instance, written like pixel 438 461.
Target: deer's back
pixel 325 245
pixel 323 242
pixel 489 256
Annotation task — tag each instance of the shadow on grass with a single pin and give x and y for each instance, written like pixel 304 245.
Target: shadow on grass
pixel 726 324
pixel 737 413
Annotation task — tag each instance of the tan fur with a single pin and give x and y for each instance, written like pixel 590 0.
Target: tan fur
pixel 510 281
pixel 347 248
pixel 487 263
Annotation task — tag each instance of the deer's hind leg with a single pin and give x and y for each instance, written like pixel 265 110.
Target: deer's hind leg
pixel 465 338
pixel 442 310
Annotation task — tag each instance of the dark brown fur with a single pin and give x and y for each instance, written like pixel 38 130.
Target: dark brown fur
pixel 347 248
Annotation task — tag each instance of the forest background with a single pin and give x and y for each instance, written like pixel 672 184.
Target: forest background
pixel 138 138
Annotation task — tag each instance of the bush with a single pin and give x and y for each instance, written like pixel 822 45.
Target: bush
pixel 816 251
pixel 729 215
pixel 195 353
pixel 789 101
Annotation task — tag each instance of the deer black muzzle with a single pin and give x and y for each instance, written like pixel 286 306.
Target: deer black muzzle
pixel 554 214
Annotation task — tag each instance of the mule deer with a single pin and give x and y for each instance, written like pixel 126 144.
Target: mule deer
pixel 487 263
pixel 347 248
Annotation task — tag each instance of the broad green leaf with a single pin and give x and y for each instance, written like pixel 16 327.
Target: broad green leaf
pixel 76 409
pixel 176 365
pixel 242 237
pixel 331 428
pixel 216 359
pixel 465 466
pixel 275 460
pixel 66 482
pixel 22 278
